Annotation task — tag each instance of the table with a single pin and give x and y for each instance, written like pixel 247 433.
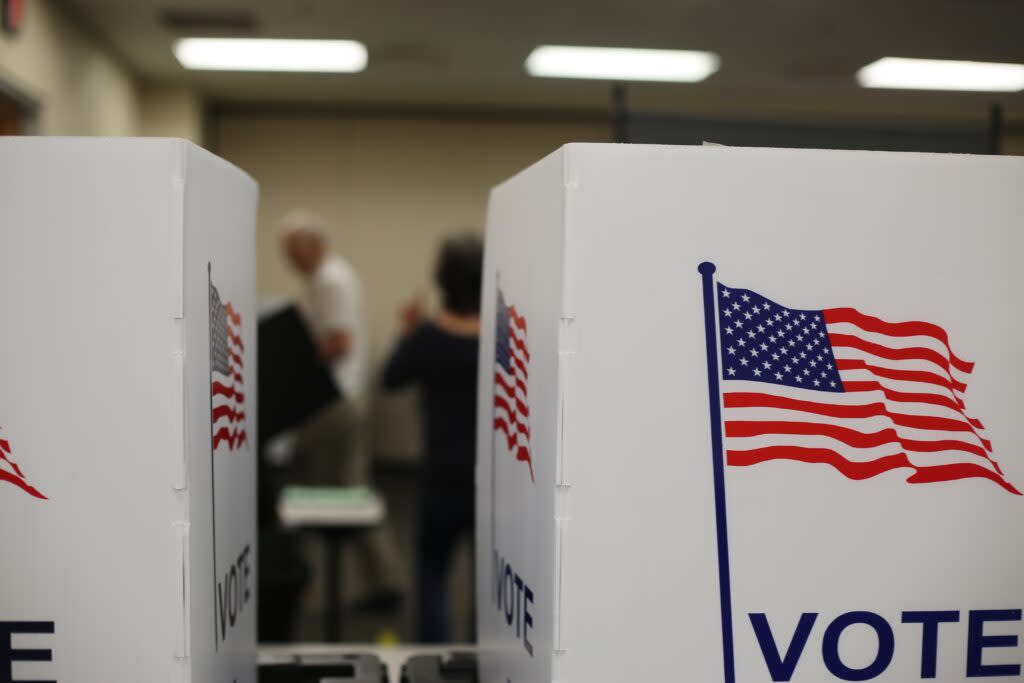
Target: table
pixel 335 513
pixel 393 656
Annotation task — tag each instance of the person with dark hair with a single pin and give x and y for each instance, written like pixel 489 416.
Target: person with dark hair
pixel 440 355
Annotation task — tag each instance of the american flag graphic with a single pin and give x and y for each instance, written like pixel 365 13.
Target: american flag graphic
pixel 227 397
pixel 12 474
pixel 846 389
pixel 511 361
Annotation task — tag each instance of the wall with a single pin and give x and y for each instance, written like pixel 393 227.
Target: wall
pixel 390 188
pixel 79 87
pixel 171 112
pixel 1013 143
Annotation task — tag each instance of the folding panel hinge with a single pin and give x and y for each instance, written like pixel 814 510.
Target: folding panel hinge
pixel 182 598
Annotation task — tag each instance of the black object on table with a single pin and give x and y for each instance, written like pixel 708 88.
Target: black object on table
pixel 457 667
pixel 325 668
pixel 293 382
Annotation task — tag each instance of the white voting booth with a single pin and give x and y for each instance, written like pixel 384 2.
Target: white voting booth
pixel 127 380
pixel 752 415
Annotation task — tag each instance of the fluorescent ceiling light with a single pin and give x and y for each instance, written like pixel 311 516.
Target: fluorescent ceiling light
pixel 942 74
pixel 621 64
pixel 265 54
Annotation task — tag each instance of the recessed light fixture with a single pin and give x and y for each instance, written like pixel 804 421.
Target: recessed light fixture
pixel 621 64
pixel 942 74
pixel 267 54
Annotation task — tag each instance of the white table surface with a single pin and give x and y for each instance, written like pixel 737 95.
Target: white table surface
pixel 327 514
pixel 394 656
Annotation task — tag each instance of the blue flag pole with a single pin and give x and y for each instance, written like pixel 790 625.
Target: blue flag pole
pixel 707 271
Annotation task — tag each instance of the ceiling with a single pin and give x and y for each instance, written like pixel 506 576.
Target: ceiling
pixel 783 57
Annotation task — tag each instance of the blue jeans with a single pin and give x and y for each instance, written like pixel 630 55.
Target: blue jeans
pixel 444 517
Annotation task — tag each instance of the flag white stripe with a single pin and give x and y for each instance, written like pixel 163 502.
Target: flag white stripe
pixel 864 425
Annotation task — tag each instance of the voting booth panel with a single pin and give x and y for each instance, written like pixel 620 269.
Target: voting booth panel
pixel 751 415
pixel 127 472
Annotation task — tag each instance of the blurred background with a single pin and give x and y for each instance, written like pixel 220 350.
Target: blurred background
pixel 399 147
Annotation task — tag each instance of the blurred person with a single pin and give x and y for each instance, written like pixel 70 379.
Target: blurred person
pixel 440 355
pixel 332 448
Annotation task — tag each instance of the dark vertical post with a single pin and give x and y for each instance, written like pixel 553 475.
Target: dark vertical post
pixel 707 271
pixel 213 483
pixel 995 129
pixel 332 619
pixel 619 112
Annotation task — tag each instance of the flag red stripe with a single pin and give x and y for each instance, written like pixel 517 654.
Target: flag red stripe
pixel 519 383
pixel 5 445
pixel 865 470
pixel 502 425
pixel 756 400
pixel 909 353
pixel 21 483
pixel 517 319
pixel 905 375
pixel 520 406
pixel 233 315
pixel 928 475
pixel 523 455
pixel 521 427
pixel 236 358
pixel 909 397
pixel 521 345
pixel 520 365
pixel 851 437
pixel 237 376
pixel 907 329
pixel 235 438
pixel 10 462
pixel 499 379
pixel 236 339
pixel 228 412
pixel 222 390
pixel 522 452
pixel 501 402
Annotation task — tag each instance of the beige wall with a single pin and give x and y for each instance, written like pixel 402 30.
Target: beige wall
pixel 82 89
pixel 171 112
pixel 79 87
pixel 390 189
pixel 1013 143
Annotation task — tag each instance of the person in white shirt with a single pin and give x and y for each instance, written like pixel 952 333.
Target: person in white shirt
pixel 332 448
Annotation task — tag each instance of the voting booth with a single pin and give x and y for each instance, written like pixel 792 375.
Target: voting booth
pixel 751 415
pixel 127 377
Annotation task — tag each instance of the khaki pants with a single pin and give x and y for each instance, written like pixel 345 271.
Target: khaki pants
pixel 332 449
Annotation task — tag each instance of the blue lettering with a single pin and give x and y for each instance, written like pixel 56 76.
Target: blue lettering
pixel 781 668
pixel 514 597
pixel 519 593
pixel 509 606
pixel 9 655
pixel 527 619
pixel 977 641
pixel 929 621
pixel 830 646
